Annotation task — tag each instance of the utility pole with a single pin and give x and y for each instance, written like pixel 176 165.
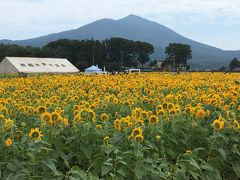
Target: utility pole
pixel 121 51
pixel 93 57
pixel 173 60
pixel 174 64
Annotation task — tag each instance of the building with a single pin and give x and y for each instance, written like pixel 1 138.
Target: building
pixel 236 69
pixel 144 67
pixel 158 66
pixel 36 65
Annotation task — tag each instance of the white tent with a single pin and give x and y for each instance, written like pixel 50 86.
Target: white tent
pixel 93 70
pixel 36 65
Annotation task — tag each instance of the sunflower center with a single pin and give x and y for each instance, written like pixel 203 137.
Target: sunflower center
pixel 35 135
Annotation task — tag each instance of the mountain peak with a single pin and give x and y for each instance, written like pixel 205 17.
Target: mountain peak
pixel 132 17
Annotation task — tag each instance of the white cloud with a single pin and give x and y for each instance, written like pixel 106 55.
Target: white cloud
pixel 29 18
pixel 85 10
pixel 23 12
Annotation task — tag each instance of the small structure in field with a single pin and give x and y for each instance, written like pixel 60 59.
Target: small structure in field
pixel 104 71
pixel 93 70
pixel 133 71
pixel 10 65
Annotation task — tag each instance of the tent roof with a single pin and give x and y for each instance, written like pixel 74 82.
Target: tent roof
pixel 28 64
pixel 93 68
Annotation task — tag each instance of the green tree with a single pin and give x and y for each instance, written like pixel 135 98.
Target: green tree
pixel 113 66
pixel 178 54
pixel 81 65
pixel 126 52
pixel 153 63
pixel 222 69
pixel 235 63
pixel 16 51
pixel 143 51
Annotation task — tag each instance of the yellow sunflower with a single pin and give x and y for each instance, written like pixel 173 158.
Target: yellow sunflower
pixel 104 117
pixel 2 117
pixel 144 115
pixel 65 121
pixel 31 110
pixel 93 106
pixel 153 120
pixel 106 139
pixel 8 142
pixel 158 137
pixel 115 100
pixel 170 106
pixel 35 134
pixel 18 134
pixel 139 138
pixel 160 113
pixel 92 115
pixel 87 114
pixel 159 108
pixel 77 118
pixel 172 111
pixel 165 105
pixel 208 112
pixel 144 100
pixel 236 124
pixel 55 116
pixel 130 137
pixel 149 113
pixel 4 110
pixel 136 131
pixel 200 113
pixel 188 152
pixel 47 119
pixel 41 109
pixel 117 124
pixel 150 101
pixel 218 124
pixel 187 109
pixel 98 127
pixel 76 107
pixel 125 123
pixel 193 124
pixel 8 124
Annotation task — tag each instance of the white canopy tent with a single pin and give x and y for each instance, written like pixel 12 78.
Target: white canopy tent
pixel 93 70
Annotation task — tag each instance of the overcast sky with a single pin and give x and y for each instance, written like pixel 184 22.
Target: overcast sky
pixel 214 22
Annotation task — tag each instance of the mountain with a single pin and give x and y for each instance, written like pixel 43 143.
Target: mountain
pixel 137 28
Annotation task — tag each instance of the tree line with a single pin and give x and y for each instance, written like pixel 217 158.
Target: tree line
pixel 114 53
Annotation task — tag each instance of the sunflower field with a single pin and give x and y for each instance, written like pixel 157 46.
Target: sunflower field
pixel 147 126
